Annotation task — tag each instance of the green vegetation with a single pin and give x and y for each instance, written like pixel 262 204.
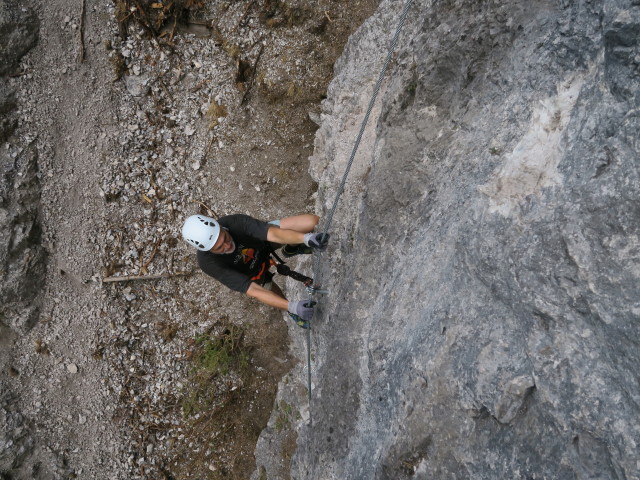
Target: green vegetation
pixel 219 354
pixel 118 65
pixel 285 415
pixel 214 356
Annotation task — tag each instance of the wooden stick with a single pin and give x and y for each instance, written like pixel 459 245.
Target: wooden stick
pixel 81 55
pixel 242 18
pixel 253 75
pixel 153 254
pixel 145 277
pixel 206 207
pixel 206 152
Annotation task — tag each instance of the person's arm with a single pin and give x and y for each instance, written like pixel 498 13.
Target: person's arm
pixel 302 308
pixel 267 296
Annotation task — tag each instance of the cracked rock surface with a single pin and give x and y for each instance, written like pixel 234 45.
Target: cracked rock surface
pixel 484 312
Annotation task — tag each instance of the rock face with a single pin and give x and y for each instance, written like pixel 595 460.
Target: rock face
pixel 18 34
pixel 15 441
pixel 22 258
pixel 485 269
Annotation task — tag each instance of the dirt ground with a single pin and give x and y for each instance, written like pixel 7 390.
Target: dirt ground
pixel 136 130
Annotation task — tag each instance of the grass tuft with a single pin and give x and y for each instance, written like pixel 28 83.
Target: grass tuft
pixel 214 113
pixel 214 356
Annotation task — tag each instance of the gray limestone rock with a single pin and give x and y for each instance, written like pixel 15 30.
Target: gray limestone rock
pixel 19 27
pixel 7 104
pixel 137 86
pixel 485 267
pixel 20 455
pixel 512 400
pixel 22 257
pixel 15 440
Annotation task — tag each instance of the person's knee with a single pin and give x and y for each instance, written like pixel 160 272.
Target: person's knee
pixel 304 223
pixel 309 223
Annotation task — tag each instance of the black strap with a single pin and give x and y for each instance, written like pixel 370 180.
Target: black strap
pixel 273 252
pixel 284 269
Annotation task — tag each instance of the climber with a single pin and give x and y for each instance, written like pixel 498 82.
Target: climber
pixel 234 251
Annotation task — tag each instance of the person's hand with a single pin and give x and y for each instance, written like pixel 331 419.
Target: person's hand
pixel 317 241
pixel 302 308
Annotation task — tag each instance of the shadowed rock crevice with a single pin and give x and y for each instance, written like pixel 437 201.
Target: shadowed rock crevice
pixel 22 256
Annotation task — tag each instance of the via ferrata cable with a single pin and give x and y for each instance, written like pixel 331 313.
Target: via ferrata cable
pixel 314 290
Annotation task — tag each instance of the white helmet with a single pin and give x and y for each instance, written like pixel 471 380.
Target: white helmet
pixel 201 232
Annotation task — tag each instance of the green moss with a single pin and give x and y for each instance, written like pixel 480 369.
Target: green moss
pixel 232 50
pixel 217 354
pixel 282 421
pixel 214 355
pixel 263 473
pixel 293 91
pixel 286 413
pixel 118 65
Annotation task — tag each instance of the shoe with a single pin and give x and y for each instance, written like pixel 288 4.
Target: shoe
pixel 289 251
pixel 299 321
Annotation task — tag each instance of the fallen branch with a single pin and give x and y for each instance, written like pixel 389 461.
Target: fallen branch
pixel 210 211
pixel 206 152
pixel 253 76
pixel 82 49
pixel 127 278
pixel 153 254
pixel 243 17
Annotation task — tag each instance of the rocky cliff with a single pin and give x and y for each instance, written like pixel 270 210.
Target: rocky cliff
pixel 22 258
pixel 484 311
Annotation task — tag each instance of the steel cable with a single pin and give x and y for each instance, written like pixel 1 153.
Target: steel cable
pixel 327 225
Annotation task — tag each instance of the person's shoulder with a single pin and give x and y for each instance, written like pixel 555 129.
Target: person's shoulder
pixel 235 217
pixel 237 221
pixel 205 258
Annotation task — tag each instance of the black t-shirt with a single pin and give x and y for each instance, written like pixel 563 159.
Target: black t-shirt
pixel 248 262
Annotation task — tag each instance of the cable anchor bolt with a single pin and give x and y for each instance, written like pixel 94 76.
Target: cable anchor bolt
pixel 316 289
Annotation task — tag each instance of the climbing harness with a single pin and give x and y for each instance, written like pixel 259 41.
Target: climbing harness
pixel 327 226
pixel 283 269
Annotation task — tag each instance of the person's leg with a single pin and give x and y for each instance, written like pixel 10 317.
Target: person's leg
pixel 277 290
pixel 300 223
pixel 273 286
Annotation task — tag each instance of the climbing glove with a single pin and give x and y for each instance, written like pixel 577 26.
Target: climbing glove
pixel 302 308
pixel 317 241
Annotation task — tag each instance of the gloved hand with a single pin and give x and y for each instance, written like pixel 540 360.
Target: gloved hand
pixel 317 241
pixel 302 308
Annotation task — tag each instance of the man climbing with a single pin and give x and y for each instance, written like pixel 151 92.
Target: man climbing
pixel 235 250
